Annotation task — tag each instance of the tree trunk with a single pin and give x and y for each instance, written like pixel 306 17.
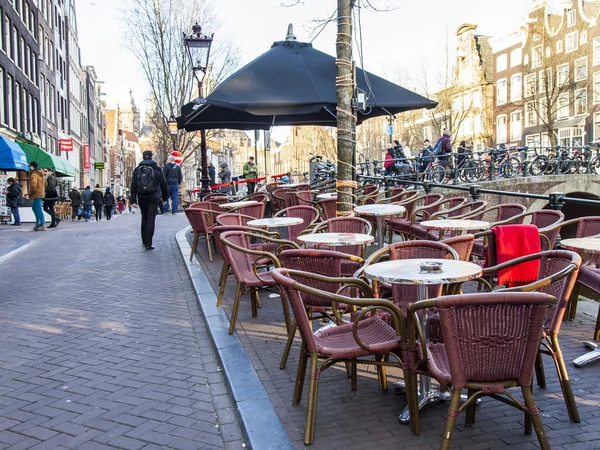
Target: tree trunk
pixel 346 119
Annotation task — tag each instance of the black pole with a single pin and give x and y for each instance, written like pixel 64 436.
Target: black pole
pixel 205 179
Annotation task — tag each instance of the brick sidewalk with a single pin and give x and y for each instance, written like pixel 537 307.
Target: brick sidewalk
pixel 102 344
pixel 368 418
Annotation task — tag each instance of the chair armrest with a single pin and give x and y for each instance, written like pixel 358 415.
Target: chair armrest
pixel 447 211
pixel 415 330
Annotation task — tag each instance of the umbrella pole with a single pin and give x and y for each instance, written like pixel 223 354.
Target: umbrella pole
pixel 346 117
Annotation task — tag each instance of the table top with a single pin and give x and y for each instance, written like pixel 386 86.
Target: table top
pixel 327 195
pixel 380 210
pixel 289 185
pixel 456 224
pixel 408 271
pixel 275 222
pixel 235 205
pixel 588 244
pixel 337 239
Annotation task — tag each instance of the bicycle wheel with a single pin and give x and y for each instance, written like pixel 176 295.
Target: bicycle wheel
pixel 566 165
pixel 511 167
pixel 595 165
pixel 439 174
pixel 538 165
pixel 579 164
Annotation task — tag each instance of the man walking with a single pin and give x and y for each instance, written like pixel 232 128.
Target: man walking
pixel 250 172
pixel 109 203
pixel 51 197
pixel 87 203
pixel 14 195
pixel 147 185
pixel 36 194
pixel 75 197
pixel 174 178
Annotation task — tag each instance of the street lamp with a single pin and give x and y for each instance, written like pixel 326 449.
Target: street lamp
pixel 198 47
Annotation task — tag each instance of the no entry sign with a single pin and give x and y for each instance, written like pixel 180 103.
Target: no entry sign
pixel 178 157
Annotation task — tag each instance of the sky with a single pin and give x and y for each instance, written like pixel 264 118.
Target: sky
pixel 411 35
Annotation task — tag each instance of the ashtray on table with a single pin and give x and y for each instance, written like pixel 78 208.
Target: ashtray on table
pixel 429 267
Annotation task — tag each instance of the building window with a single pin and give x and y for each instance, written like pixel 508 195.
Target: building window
pixel 501 92
pixel 10 118
pixel 546 81
pixel 476 124
pixel 477 99
pixel 559 46
pixel 536 57
pixel 543 109
pixel 501 62
pixel 580 101
pixel 596 126
pixel 530 115
pixel 516 57
pixel 581 69
pixel 563 74
pixel 532 141
pixel 18 118
pixel 501 129
pixel 572 41
pixel 13 44
pixel 597 51
pixel 563 106
pixel 530 82
pixel 2 105
pixel 597 87
pixel 515 126
pixel 516 87
pixel 571 17
pixel 583 37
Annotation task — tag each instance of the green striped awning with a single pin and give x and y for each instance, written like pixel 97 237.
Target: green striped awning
pixel 46 160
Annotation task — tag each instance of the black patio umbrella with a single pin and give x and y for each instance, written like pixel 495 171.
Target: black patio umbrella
pixel 291 84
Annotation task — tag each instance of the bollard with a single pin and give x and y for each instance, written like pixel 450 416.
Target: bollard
pixel 427 187
pixel 555 200
pixel 524 161
pixel 492 165
pixel 474 192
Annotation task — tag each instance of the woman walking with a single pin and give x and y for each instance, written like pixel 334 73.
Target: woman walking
pixel 98 200
pixel 109 203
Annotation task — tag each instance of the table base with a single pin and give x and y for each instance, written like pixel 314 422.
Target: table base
pixel 588 357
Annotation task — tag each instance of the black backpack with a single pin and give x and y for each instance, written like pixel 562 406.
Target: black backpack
pixel 146 180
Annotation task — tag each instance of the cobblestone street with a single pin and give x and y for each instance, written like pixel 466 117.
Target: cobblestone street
pixel 102 344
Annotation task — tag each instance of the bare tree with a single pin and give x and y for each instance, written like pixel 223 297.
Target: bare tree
pixel 154 34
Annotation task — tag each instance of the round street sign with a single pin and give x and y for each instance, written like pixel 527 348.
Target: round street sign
pixel 178 157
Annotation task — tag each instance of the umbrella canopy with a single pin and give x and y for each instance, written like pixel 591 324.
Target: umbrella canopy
pixel 291 84
pixel 11 156
pixel 47 160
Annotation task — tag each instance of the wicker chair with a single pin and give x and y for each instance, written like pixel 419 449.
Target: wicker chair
pixel 447 208
pixel 462 245
pixel 369 341
pixel 328 208
pixel 259 197
pixel 244 263
pixel 202 222
pixel 499 215
pixel 588 277
pixel 491 344
pixel 431 205
pixel 235 219
pixel 282 198
pixel 326 263
pixel 304 198
pixel 257 210
pixel 557 276
pixel 309 214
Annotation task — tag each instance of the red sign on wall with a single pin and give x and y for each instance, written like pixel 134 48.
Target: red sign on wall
pixel 87 164
pixel 65 145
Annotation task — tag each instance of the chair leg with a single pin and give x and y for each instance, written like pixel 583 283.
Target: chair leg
pixel 539 371
pixel 300 374
pixel 223 283
pixel 288 346
pixel 412 401
pixel 451 420
pixel 382 375
pixel 223 275
pixel 236 307
pixel 597 330
pixel 311 405
pixel 471 410
pixel 534 414
pixel 565 382
pixel 194 245
pixel 286 315
pixel 572 305
pixel 254 301
pixel 353 375
pixel 207 236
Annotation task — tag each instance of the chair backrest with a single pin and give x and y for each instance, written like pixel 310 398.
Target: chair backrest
pixel 304 198
pixel 588 226
pixel 328 208
pixel 282 197
pixel 257 210
pixel 320 262
pixel 240 261
pixel 492 338
pixel 218 200
pixel 431 205
pixel 213 195
pixel 201 219
pixel 460 206
pixel 349 225
pixel 370 189
pixel 307 213
pixel 303 187
pixel 462 245
pixel 234 219
pixel 272 187
pixel 508 210
pixel 259 197
pixel 546 218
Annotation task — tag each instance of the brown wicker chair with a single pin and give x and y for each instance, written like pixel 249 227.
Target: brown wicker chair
pixel 497 216
pixel 462 245
pixel 257 210
pixel 202 221
pixel 491 343
pixel 349 343
pixel 244 263
pixel 309 214
pixel 345 225
pixel 328 208
pixel 235 219
pixel 304 198
pixel 447 208
pixel 589 277
pixel 431 205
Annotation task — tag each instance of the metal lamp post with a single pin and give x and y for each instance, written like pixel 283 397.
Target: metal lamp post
pixel 198 46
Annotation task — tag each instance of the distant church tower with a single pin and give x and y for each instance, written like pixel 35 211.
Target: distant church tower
pixel 130 116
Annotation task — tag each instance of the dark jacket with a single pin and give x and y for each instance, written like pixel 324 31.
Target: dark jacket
pixel 173 174
pixel 97 197
pixel 75 197
pixel 212 174
pixel 109 199
pixel 445 149
pixel 87 197
pixel 51 185
pixel 158 173
pixel 13 194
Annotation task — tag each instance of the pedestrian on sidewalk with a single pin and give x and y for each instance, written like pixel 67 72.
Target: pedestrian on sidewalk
pixel 51 197
pixel 147 185
pixel 87 203
pixel 174 178
pixel 109 203
pixel 75 197
pixel 225 176
pixel 98 200
pixel 250 172
pixel 36 194
pixel 212 174
pixel 14 198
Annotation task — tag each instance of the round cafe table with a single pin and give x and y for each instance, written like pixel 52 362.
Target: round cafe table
pixel 275 222
pixel 380 211
pixel 459 225
pixel 408 271
pixel 337 239
pixel 588 246
pixel 235 205
pixel 288 186
pixel 327 196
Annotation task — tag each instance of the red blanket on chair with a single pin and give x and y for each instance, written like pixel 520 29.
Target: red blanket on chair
pixel 514 241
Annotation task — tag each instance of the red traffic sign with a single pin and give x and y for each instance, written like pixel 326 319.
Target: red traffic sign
pixel 178 157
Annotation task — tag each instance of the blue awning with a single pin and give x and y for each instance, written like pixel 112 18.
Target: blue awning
pixel 11 156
